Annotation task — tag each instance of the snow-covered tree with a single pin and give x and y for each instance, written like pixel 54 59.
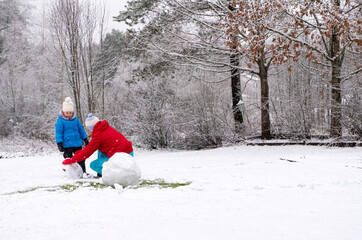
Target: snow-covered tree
pixel 248 24
pixel 189 33
pixel 14 61
pixel 327 31
pixel 108 61
pixel 74 26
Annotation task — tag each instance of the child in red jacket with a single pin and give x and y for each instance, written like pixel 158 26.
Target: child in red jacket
pixel 106 140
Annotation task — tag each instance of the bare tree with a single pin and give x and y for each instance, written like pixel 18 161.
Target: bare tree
pixel 14 50
pixel 74 27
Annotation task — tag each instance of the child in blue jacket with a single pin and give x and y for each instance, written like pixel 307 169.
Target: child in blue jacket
pixel 69 132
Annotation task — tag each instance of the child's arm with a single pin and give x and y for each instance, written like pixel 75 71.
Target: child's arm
pixel 84 153
pixel 82 133
pixel 59 131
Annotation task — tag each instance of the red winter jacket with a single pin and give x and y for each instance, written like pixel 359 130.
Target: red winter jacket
pixel 105 139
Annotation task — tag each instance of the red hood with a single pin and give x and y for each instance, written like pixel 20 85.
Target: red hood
pixel 105 139
pixel 100 127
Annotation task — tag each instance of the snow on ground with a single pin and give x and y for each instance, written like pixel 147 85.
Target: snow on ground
pixel 242 192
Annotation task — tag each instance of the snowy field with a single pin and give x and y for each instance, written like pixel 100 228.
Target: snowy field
pixel 244 192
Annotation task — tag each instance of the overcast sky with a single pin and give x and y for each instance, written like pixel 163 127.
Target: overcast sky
pixel 113 7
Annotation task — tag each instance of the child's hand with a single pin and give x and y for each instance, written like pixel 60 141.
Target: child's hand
pixel 86 141
pixel 60 147
pixel 68 161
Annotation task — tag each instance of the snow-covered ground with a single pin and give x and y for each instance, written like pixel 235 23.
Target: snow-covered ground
pixel 243 192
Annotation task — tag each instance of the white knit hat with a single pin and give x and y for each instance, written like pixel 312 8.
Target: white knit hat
pixel 68 105
pixel 91 121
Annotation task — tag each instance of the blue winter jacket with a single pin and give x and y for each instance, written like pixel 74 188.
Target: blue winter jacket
pixel 69 131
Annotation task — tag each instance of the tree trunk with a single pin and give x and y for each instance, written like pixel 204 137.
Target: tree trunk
pixel 235 82
pixel 76 80
pixel 264 94
pixel 336 100
pixel 236 92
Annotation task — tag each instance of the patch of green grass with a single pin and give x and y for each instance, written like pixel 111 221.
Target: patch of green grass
pixel 69 187
pixel 26 191
pixel 66 187
pixel 79 184
pixel 95 185
pixel 161 183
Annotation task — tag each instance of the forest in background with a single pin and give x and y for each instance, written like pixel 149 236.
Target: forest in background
pixel 197 74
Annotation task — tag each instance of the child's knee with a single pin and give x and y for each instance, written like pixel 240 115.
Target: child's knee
pixel 93 165
pixel 96 165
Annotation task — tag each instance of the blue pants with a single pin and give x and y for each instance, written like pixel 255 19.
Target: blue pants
pixel 97 165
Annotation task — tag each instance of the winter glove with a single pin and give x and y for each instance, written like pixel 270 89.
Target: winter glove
pixel 86 141
pixel 60 147
pixel 68 161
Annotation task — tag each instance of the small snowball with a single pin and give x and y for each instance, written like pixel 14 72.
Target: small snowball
pixel 121 169
pixel 118 187
pixel 73 170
